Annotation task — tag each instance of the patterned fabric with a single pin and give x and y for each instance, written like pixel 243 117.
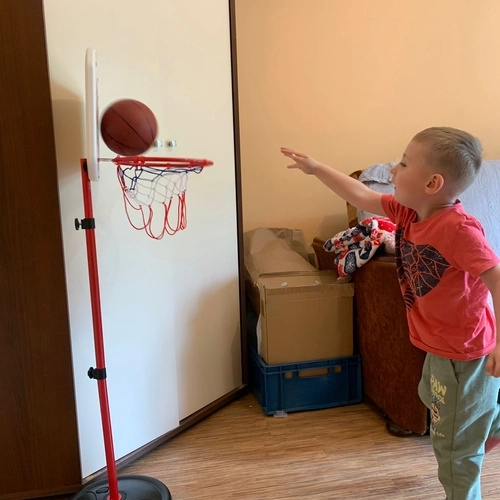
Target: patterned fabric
pixel 357 245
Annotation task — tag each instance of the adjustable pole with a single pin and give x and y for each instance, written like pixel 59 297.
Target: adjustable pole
pixel 133 487
pixel 99 372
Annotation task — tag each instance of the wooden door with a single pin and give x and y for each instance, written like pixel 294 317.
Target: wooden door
pixel 39 453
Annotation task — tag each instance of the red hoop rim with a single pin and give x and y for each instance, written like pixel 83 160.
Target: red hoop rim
pixel 159 162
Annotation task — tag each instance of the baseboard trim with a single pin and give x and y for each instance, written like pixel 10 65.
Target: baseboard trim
pixel 184 424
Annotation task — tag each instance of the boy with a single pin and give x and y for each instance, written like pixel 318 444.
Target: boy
pixel 447 310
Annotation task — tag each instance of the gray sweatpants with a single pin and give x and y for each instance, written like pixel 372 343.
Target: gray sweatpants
pixel 464 408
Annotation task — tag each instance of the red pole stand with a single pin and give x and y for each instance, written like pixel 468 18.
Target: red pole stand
pixel 95 300
pixel 132 487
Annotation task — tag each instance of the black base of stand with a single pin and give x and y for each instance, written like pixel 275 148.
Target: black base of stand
pixel 129 487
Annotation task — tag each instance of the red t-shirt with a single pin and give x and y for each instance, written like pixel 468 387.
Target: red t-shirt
pixel 439 261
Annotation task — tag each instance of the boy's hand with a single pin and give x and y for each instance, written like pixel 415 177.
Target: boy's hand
pixel 493 363
pixel 302 161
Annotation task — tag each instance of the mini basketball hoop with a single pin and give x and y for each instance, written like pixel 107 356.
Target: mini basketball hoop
pixel 148 185
pixel 155 184
pixel 154 188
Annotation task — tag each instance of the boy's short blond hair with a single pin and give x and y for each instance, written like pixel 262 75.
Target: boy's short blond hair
pixel 456 154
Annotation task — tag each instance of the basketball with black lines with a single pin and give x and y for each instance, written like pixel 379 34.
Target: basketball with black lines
pixel 128 127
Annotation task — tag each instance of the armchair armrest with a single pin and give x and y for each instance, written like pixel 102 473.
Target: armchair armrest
pixel 391 365
pixel 325 260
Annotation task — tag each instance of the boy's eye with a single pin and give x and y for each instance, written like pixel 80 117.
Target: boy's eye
pixel 402 164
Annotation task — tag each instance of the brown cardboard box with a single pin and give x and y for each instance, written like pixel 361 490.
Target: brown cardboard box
pixel 274 250
pixel 304 317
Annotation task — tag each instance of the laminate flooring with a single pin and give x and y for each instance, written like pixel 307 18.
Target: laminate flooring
pixel 336 453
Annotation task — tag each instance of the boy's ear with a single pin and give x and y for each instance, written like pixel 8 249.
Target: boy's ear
pixel 434 184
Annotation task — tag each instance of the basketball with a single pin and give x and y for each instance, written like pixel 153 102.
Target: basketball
pixel 128 127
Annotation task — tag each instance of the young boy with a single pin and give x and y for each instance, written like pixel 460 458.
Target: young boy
pixel 445 268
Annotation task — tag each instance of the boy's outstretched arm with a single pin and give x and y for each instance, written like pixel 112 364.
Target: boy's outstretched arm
pixel 491 279
pixel 351 190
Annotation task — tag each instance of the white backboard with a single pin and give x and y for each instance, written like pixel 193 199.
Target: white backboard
pixel 91 115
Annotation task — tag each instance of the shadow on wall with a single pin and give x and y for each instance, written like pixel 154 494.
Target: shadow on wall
pixel 69 130
pixel 69 135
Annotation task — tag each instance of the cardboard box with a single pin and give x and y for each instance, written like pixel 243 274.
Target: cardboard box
pixel 252 284
pixel 304 317
pixel 274 250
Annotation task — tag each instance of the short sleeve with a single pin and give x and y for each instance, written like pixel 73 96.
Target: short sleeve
pixel 388 206
pixel 398 213
pixel 471 250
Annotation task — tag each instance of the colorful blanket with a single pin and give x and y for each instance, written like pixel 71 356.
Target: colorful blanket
pixel 357 245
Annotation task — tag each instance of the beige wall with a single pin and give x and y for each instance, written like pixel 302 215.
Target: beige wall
pixel 350 82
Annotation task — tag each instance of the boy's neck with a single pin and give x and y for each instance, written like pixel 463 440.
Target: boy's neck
pixel 432 209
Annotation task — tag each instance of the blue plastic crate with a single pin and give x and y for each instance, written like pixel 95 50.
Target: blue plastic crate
pixel 305 386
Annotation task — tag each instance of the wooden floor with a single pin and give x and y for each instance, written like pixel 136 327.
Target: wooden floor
pixel 345 452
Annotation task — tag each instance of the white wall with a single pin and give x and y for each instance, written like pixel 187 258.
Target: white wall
pixel 170 307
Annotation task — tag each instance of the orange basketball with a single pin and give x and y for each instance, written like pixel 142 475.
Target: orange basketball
pixel 128 127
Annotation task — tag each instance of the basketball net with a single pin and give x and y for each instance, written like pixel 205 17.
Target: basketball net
pixel 153 184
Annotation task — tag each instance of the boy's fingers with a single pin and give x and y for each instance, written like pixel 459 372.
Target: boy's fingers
pixel 291 153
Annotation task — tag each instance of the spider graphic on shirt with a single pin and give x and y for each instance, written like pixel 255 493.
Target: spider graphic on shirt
pixel 419 267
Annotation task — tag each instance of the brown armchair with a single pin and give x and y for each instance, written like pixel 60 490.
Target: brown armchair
pixel 391 365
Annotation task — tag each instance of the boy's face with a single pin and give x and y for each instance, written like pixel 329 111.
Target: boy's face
pixel 411 175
